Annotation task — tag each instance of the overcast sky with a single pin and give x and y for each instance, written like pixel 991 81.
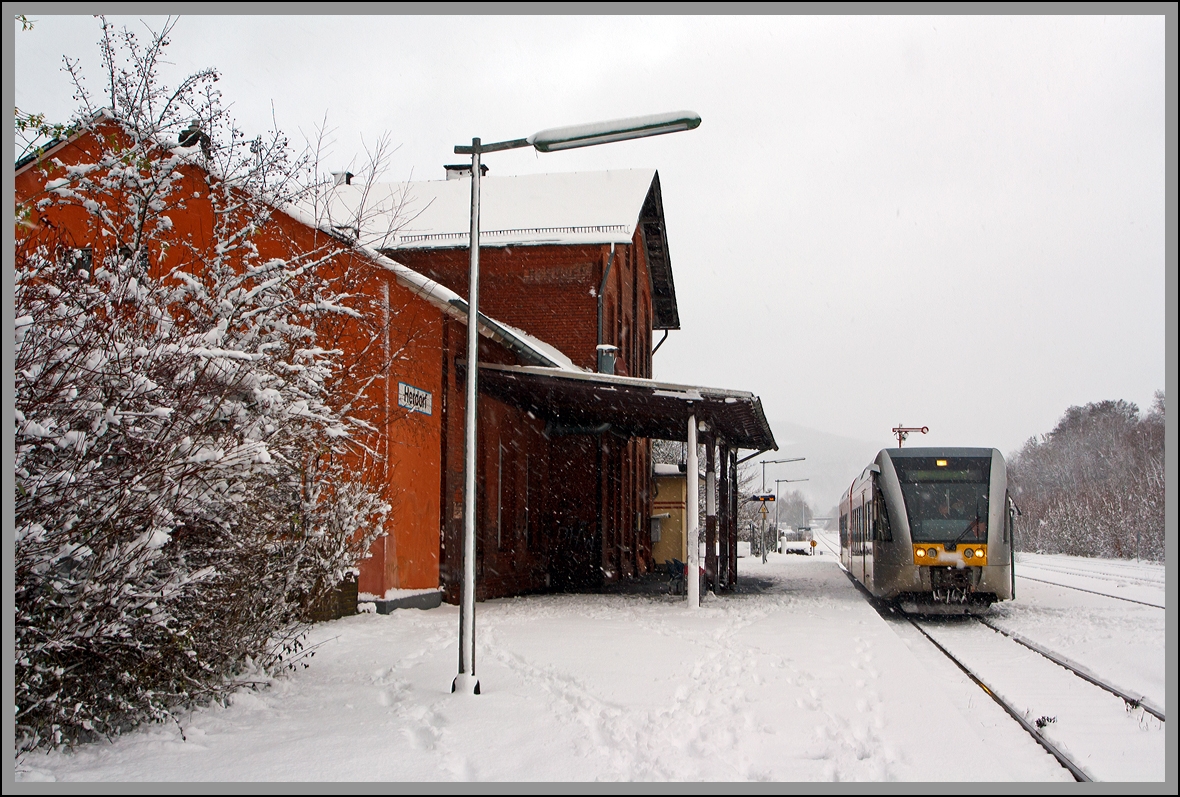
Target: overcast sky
pixel 955 222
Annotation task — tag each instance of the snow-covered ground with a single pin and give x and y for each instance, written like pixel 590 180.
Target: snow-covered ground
pixel 1116 639
pixel 796 679
pixel 1135 581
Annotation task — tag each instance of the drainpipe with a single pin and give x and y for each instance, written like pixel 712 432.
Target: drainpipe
pixel 601 353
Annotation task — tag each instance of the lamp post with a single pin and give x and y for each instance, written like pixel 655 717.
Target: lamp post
pixel 762 535
pixel 551 140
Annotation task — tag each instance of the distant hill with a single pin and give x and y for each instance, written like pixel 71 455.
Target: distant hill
pixel 832 462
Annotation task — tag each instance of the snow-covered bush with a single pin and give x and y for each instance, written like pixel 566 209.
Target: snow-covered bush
pixel 189 453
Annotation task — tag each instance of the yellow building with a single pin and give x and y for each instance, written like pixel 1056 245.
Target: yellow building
pixel 667 522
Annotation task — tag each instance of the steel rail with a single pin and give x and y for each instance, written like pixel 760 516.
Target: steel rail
pixel 1092 592
pixel 1078 774
pixel 1082 672
pixel 1076 771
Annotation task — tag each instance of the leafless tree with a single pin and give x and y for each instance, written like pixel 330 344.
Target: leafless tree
pixel 1094 486
pixel 187 437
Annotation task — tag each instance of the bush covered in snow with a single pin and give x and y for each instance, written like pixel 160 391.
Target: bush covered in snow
pixel 1094 486
pixel 185 486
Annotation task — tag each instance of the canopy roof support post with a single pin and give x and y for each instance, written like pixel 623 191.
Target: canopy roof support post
pixel 692 510
pixel 733 517
pixel 722 577
pixel 710 513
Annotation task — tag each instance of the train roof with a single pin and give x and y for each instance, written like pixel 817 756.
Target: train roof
pixel 901 453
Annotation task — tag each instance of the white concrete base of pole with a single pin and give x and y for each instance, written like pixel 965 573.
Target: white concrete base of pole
pixel 465 684
pixel 692 510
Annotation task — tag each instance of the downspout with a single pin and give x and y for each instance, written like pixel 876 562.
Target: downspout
pixel 661 343
pixel 601 290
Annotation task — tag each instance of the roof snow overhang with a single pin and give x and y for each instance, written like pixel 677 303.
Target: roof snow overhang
pixel 591 403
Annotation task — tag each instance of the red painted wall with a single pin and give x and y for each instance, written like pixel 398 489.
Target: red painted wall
pixel 408 470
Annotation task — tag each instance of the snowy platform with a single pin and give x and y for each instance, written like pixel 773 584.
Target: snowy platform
pixel 794 678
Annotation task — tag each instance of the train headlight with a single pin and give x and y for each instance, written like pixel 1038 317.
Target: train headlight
pixel 920 552
pixel 979 552
pixel 932 553
pixel 968 553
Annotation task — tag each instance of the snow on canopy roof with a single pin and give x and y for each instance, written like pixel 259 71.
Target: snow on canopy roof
pixel 567 208
pixel 629 405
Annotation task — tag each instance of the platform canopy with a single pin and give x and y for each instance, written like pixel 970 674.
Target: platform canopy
pixel 576 402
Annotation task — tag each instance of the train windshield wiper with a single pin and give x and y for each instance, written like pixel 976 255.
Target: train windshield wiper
pixel 972 526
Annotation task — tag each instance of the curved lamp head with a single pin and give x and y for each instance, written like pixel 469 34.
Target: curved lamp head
pixel 559 138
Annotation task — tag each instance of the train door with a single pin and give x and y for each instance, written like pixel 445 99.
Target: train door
pixel 870 532
pixel 865 573
pixel 860 536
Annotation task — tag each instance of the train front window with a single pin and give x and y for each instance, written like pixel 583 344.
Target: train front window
pixel 946 499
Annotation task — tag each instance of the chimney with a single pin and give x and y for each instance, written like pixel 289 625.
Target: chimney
pixel 457 170
pixel 607 356
pixel 342 178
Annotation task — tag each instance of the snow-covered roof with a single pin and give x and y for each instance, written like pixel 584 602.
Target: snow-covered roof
pixel 530 349
pixel 569 208
pixel 573 208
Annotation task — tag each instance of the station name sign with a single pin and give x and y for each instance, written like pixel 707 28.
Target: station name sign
pixel 414 399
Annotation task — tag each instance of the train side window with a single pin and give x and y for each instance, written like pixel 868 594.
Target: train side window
pixel 881 511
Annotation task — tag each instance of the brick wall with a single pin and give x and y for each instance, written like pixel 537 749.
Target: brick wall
pixel 551 292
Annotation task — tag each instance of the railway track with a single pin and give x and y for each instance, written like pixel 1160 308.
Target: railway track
pixel 1092 727
pixel 1031 728
pixel 1019 674
pixel 1133 701
pixel 1113 570
pixel 1091 591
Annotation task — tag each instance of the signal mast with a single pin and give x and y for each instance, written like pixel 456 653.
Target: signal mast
pixel 903 432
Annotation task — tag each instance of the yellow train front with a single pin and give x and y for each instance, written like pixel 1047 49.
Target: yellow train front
pixel 932 529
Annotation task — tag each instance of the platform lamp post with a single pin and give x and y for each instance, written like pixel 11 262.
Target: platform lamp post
pixel 762 535
pixel 551 140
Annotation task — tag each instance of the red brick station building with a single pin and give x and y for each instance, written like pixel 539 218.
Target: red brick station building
pixel 575 282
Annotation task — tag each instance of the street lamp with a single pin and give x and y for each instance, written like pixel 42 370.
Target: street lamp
pixel 762 535
pixel 766 462
pixel 551 140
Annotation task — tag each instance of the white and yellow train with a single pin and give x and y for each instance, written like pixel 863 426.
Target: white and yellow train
pixel 932 529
